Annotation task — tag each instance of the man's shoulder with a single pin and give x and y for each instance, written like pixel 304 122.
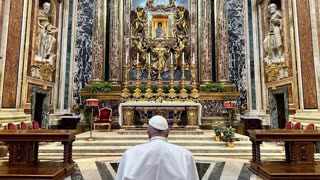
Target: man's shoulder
pixel 136 148
pixel 180 148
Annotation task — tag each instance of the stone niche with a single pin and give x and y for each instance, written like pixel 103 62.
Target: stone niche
pixel 276 42
pixel 44 39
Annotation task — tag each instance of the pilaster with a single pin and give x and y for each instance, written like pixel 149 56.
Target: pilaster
pixel 222 44
pixel 98 41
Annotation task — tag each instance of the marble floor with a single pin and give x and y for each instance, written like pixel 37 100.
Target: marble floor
pixel 105 168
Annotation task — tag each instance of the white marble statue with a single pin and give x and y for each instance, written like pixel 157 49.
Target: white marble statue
pixel 46 41
pixel 273 42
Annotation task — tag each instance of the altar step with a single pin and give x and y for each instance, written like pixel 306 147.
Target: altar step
pixel 114 144
pixel 172 132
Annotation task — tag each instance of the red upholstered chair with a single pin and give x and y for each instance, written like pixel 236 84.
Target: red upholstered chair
pixel 104 118
pixel 310 127
pixel 24 126
pixel 35 125
pixel 297 125
pixel 11 126
pixel 288 125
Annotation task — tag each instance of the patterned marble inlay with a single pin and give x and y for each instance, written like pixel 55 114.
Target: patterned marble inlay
pixel 227 169
pixel 236 47
pixel 83 45
pixel 213 108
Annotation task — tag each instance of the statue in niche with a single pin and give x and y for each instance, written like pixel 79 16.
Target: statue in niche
pixel 138 20
pixel 46 42
pixel 273 42
pixel 181 19
pixel 275 68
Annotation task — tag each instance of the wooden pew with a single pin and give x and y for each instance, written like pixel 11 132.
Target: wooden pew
pixel 299 160
pixel 23 154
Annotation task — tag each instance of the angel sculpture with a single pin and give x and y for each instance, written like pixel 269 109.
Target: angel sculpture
pixel 138 19
pixel 139 47
pixel 181 21
pixel 149 3
pixel 179 49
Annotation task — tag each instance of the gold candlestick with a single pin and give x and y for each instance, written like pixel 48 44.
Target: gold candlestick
pixel 183 92
pixel 149 93
pixel 194 92
pixel 125 92
pixel 160 92
pixel 172 93
pixel 137 92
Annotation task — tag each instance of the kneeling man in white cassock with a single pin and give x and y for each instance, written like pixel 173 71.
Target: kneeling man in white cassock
pixel 157 159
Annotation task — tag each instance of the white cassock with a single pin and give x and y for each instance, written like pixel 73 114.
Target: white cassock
pixel 157 160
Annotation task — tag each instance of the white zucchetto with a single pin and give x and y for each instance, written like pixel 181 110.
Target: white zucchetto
pixel 158 122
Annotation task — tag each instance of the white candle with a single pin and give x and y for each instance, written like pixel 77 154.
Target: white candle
pixel 194 59
pixel 149 58
pixel 182 57
pixel 126 58
pixel 171 58
pixel 137 58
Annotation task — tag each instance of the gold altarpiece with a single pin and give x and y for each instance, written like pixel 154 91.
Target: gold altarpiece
pixel 156 56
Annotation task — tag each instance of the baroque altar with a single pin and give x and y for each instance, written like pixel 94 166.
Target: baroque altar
pixel 171 111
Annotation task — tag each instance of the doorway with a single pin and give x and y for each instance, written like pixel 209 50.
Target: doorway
pixel 281 111
pixel 38 107
pixel 279 107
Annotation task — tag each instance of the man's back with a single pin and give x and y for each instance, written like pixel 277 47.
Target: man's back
pixel 157 160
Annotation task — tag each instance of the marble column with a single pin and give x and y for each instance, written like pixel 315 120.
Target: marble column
pixel 98 41
pixel 193 29
pixel 205 33
pixel 115 50
pixel 222 44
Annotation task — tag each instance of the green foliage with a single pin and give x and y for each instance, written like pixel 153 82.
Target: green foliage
pixel 166 89
pixel 134 87
pixel 188 88
pixel 218 128
pixel 98 87
pixel 177 88
pixel 213 87
pixel 228 98
pixel 228 134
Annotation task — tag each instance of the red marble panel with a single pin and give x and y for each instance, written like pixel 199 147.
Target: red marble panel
pixel 1 16
pixel 318 21
pixel 12 55
pixel 306 55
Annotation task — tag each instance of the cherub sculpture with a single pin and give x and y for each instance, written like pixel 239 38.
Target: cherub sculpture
pixel 181 21
pixel 138 19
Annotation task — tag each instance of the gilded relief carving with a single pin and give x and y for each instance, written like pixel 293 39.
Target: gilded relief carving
pixel 138 21
pixel 160 36
pixel 181 22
